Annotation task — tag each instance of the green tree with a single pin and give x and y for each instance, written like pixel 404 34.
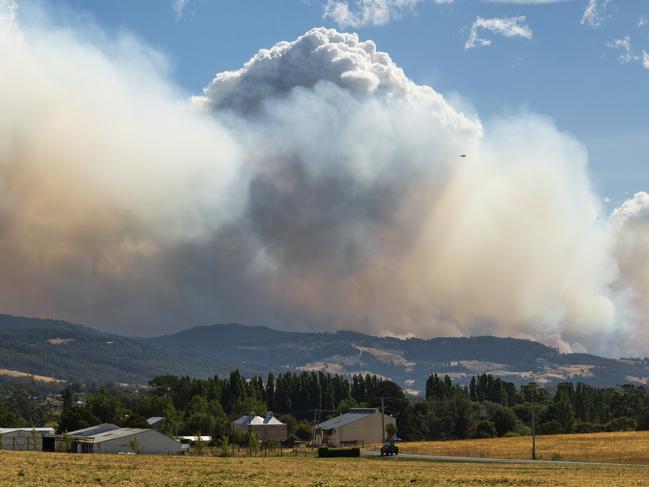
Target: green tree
pixel 134 443
pixel 290 422
pixel 156 405
pixel 504 420
pixel 304 431
pixel 107 408
pixel 77 417
pixel 345 405
pixel 67 398
pixel 484 429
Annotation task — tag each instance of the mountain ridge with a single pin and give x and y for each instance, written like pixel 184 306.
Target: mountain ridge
pixel 71 352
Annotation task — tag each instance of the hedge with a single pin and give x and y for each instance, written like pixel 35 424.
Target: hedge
pixel 324 452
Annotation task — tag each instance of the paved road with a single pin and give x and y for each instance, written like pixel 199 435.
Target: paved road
pixel 436 458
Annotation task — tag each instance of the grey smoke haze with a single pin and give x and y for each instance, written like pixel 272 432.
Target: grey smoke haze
pixel 316 187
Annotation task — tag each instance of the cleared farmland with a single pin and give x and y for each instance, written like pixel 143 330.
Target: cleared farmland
pixel 51 469
pixel 621 447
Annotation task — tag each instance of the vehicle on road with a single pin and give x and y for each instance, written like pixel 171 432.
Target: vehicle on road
pixel 389 448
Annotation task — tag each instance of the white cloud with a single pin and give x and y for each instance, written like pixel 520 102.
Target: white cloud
pixel 526 2
pixel 642 21
pixel 179 7
pixel 595 13
pixel 627 54
pixel 506 27
pixel 358 13
pixel 624 46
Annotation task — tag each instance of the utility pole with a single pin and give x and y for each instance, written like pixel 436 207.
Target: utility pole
pixel 533 384
pixel 382 420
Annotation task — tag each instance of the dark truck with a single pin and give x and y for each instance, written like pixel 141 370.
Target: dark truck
pixel 389 448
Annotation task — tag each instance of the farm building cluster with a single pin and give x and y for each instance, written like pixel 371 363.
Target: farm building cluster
pixel 359 426
pixel 110 438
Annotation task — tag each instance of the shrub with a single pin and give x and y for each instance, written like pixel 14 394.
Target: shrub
pixel 304 431
pixel 324 452
pixel 582 427
pixel 552 427
pixel 623 423
pixel 484 429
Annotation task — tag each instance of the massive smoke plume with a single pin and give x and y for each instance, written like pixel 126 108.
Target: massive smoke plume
pixel 316 187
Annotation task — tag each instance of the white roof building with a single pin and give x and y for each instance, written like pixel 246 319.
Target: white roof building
pixel 266 428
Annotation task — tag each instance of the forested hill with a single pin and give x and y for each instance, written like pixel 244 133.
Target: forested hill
pixel 408 362
pixel 65 351
pixel 70 352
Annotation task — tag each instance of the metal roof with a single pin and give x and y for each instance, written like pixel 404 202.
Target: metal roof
pixel 155 419
pixel 118 433
pixel 29 430
pixel 254 420
pixel 94 430
pixel 249 420
pixel 272 420
pixel 349 417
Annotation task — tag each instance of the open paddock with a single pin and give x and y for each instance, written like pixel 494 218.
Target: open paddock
pixel 620 447
pixel 58 470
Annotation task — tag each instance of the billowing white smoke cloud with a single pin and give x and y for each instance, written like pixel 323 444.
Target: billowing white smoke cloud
pixel 630 224
pixel 317 187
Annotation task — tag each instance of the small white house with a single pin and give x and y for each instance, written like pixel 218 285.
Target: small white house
pixel 23 438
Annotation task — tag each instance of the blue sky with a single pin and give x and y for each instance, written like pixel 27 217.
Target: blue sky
pixel 567 69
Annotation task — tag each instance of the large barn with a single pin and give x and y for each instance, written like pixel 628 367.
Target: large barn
pixel 109 438
pixel 361 426
pixel 135 440
pixel 23 438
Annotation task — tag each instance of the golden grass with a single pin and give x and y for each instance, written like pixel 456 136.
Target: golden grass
pixel 25 375
pixel 59 469
pixel 622 447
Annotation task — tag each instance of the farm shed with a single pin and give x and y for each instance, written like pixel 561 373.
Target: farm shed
pixel 134 440
pixel 108 438
pixel 357 426
pixel 23 438
pixel 267 428
pixel 75 441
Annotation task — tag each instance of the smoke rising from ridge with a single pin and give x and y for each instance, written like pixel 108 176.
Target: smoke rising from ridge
pixel 316 187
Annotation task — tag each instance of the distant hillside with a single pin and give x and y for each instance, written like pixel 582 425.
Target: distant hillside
pixel 408 362
pixel 64 351
pixel 57 350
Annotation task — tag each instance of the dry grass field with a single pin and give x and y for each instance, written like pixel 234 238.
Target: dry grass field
pixel 623 447
pixel 57 470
